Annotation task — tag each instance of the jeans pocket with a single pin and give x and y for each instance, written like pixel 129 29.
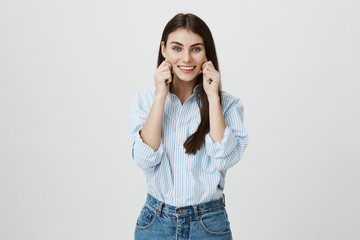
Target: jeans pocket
pixel 216 223
pixel 146 218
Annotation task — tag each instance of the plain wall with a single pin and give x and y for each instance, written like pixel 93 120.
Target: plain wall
pixel 68 72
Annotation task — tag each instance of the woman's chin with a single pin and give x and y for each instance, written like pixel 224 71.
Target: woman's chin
pixel 187 77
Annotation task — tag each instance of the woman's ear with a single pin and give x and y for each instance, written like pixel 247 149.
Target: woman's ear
pixel 163 49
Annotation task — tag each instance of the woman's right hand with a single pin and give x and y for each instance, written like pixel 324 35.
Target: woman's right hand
pixel 163 79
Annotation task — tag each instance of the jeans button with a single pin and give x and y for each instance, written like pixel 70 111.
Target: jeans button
pixel 180 211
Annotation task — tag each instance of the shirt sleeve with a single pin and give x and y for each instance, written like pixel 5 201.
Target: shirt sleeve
pixel 142 154
pixel 230 149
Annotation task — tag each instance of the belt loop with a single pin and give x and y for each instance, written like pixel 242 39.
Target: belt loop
pixel 196 213
pixel 160 209
pixel 224 199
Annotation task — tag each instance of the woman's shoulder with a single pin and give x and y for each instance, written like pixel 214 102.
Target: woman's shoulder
pixel 228 100
pixel 143 98
pixel 147 91
pixel 145 94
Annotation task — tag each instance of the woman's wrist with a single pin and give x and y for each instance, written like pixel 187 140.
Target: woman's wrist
pixel 160 97
pixel 213 98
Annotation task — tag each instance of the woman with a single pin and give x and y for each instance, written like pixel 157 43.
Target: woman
pixel 185 134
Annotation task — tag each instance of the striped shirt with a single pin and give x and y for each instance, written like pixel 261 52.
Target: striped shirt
pixel 177 178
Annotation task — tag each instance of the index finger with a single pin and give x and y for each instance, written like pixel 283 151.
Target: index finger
pixel 204 65
pixel 167 63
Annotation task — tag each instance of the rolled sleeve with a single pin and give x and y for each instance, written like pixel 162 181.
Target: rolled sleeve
pixel 142 154
pixel 223 148
pixel 230 149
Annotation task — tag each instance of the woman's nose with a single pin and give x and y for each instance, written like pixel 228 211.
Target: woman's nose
pixel 186 56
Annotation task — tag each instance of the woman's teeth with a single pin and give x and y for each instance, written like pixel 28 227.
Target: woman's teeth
pixel 186 68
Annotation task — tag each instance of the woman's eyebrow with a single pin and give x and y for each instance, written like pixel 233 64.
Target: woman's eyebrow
pixel 195 44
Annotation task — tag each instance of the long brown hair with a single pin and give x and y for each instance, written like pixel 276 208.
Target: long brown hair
pixel 195 24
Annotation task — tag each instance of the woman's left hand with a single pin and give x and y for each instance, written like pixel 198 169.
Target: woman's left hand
pixel 211 79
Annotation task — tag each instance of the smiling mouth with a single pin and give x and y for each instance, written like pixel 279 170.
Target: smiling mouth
pixel 187 68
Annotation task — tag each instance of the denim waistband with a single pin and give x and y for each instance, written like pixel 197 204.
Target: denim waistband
pixel 195 210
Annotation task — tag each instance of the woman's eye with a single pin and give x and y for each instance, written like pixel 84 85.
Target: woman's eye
pixel 196 49
pixel 176 48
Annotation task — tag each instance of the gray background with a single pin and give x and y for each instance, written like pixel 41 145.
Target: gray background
pixel 69 70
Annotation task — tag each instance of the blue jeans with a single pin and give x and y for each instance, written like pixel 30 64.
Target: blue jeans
pixel 158 220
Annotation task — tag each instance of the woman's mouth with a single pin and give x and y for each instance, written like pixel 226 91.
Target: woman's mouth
pixel 187 69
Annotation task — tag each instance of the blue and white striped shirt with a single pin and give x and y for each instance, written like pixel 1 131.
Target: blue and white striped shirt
pixel 177 178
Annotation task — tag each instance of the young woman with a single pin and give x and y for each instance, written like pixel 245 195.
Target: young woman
pixel 185 134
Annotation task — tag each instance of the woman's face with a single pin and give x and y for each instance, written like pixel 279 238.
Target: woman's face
pixel 185 51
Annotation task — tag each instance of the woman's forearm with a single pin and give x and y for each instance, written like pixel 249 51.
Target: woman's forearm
pixel 217 121
pixel 151 132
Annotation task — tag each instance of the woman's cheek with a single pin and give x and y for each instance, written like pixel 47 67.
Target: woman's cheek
pixel 171 58
pixel 203 59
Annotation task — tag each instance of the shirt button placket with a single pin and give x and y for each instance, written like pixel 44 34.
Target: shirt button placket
pixel 178 171
pixel 180 139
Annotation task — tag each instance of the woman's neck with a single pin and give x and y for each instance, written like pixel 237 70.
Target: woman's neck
pixel 182 89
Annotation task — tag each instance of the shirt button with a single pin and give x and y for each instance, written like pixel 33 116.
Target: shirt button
pixel 178 170
pixel 181 125
pixel 180 146
pixel 178 194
